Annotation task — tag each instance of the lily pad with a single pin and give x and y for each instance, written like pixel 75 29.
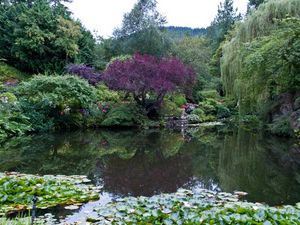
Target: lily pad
pixel 18 190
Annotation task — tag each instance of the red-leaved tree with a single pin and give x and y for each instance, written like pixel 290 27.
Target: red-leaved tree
pixel 149 79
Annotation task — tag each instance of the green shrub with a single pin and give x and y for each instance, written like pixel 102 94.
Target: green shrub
pixel 222 112
pixel 106 95
pixel 210 94
pixel 180 100
pixel 198 111
pixel 54 102
pixel 7 72
pixel 281 127
pixel 193 118
pixel 208 108
pixel 8 97
pixel 124 115
pixel 169 108
pixel 197 96
pixel 251 121
pixel 12 121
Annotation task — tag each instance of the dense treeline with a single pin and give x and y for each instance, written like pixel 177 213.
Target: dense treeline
pixel 177 33
pixel 260 64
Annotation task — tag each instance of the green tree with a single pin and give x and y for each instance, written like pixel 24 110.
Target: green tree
pixel 195 51
pixel 39 37
pixel 223 22
pixel 261 60
pixel 144 15
pixel 141 31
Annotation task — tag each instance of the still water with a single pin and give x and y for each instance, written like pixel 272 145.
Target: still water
pixel 148 162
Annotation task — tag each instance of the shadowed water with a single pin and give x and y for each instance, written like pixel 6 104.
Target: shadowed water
pixel 135 162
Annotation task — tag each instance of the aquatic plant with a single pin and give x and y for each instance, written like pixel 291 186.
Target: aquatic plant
pixel 187 207
pixel 17 191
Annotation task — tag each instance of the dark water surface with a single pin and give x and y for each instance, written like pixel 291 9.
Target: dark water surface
pixel 148 162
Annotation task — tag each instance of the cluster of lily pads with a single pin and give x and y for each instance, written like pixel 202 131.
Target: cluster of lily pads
pixel 186 207
pixel 17 191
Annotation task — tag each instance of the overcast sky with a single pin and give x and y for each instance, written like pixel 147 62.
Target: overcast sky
pixel 105 15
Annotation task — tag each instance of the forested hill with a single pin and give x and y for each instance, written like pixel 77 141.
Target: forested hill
pixel 181 32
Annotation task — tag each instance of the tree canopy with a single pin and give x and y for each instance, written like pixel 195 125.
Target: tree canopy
pixel 260 60
pixel 42 36
pixel 148 79
pixel 223 22
pixel 144 15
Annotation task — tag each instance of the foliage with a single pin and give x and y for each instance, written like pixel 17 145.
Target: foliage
pixel 148 79
pixel 118 58
pixel 250 121
pixel 140 32
pixel 281 127
pixel 260 60
pixel 144 15
pixel 193 118
pixel 213 94
pixel 12 121
pixel 186 207
pixel 179 33
pixel 123 116
pixel 222 112
pixel 179 100
pixel 56 101
pixel 226 17
pixel 195 51
pixel 169 108
pixel 18 190
pixel 8 97
pixel 199 112
pixel 39 36
pixel 86 72
pixel 106 95
pixel 8 73
pixel 152 41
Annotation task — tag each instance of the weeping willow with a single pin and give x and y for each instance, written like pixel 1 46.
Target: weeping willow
pixel 254 63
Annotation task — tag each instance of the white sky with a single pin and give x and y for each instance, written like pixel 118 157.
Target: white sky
pixel 103 16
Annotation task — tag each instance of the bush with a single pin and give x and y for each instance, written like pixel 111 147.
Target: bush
pixel 251 121
pixel 281 127
pixel 210 94
pixel 9 73
pixel 12 121
pixel 56 102
pixel 169 108
pixel 8 97
pixel 124 115
pixel 199 112
pixel 179 100
pixel 193 118
pixel 86 72
pixel 222 112
pixel 106 95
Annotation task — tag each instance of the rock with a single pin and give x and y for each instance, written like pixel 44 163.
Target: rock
pixel 286 103
pixel 295 120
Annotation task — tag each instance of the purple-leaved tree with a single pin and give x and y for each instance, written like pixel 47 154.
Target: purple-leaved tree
pixel 86 72
pixel 149 79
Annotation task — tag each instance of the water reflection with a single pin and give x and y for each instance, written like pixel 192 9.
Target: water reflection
pixel 134 162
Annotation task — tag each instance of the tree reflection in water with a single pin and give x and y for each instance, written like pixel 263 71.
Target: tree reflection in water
pixel 134 162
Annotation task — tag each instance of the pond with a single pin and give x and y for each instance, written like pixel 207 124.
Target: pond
pixel 149 162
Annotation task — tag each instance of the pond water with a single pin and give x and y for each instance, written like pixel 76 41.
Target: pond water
pixel 148 162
